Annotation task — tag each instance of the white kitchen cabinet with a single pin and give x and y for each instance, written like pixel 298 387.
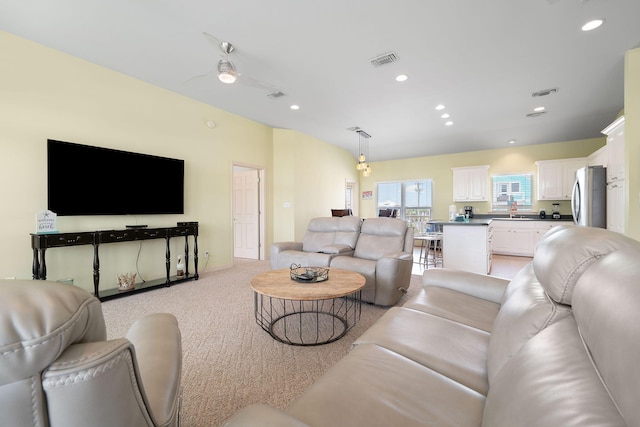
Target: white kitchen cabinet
pixel 615 150
pixel 466 248
pixel 616 173
pixel 470 184
pixel 512 237
pixel 556 177
pixel 600 157
pixel 615 206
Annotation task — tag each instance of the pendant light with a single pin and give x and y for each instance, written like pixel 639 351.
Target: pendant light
pixel 363 149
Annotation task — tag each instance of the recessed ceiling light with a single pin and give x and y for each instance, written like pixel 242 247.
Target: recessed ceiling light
pixel 445 116
pixel 440 107
pixel 449 123
pixel 295 107
pixel 539 109
pixel 512 141
pixel 592 25
pixel 401 78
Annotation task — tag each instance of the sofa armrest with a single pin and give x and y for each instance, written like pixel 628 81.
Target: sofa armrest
pixel 338 250
pixel 81 385
pixel 158 346
pixel 278 247
pixel 482 286
pixel 263 416
pixel 393 276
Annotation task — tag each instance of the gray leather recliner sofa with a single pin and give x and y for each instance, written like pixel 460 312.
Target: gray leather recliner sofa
pixel 58 369
pixel 556 346
pixel 381 249
pixel 324 239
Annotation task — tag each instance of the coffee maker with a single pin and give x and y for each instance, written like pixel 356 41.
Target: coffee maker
pixel 468 210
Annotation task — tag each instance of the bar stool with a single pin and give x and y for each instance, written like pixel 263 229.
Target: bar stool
pixel 434 247
pixel 423 244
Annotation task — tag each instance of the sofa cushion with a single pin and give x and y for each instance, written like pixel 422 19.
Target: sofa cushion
pixel 565 252
pixel 304 259
pixel 551 382
pixel 605 305
pixel 373 386
pixel 413 333
pixel 456 306
pixel 326 232
pixel 365 267
pixel 380 236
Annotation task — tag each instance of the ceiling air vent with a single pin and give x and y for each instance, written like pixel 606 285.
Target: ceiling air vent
pixel 536 114
pixel 545 92
pixel 275 95
pixel 386 58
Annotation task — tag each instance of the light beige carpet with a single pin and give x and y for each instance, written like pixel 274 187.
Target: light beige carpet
pixel 229 362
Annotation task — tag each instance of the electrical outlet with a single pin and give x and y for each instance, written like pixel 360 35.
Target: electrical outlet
pixel 206 254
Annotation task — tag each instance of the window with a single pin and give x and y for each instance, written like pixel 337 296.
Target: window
pixel 508 189
pixel 410 199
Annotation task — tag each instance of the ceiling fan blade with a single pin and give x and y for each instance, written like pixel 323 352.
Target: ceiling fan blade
pixel 212 39
pixel 193 79
pixel 258 84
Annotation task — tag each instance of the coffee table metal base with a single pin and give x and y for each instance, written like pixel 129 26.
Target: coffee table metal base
pixel 307 323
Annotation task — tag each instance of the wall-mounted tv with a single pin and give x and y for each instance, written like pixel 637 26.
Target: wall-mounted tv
pixel 87 180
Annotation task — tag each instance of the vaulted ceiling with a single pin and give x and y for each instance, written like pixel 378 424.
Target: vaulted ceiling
pixel 481 60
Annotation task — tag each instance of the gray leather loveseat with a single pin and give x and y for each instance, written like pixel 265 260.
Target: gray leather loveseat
pixel 558 345
pixel 381 249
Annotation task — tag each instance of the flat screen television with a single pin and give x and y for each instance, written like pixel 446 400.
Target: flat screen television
pixel 87 180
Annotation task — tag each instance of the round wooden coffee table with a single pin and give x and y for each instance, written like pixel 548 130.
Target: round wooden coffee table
pixel 307 313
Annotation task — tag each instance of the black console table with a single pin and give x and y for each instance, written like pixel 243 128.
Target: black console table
pixel 41 242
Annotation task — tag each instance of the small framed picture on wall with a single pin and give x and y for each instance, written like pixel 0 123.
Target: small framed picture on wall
pixel 367 195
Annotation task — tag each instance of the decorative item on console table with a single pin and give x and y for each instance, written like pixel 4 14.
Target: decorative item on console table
pixel 180 267
pixel 126 282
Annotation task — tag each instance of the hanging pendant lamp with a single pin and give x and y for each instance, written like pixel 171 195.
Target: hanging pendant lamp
pixel 363 149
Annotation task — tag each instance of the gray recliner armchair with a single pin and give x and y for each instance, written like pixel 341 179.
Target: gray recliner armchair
pixel 58 369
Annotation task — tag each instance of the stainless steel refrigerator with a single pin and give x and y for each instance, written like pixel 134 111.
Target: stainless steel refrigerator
pixel 589 198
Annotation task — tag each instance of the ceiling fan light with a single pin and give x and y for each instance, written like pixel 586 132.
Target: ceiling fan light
pixel 226 71
pixel 227 78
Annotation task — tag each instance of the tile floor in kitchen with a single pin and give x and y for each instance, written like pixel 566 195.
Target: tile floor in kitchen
pixel 502 265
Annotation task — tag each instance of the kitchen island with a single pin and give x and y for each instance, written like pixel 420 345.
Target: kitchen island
pixel 466 246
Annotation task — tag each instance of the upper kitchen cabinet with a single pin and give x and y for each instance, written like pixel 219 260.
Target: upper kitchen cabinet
pixel 615 150
pixel 616 206
pixel 556 177
pixel 471 184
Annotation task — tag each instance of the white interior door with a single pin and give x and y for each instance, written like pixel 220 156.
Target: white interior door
pixel 246 236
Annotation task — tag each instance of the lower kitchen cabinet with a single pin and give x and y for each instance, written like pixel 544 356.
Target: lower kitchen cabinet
pixel 466 248
pixel 518 237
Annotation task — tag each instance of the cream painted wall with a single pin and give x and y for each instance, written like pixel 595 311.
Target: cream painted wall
pixel 502 161
pixel 48 94
pixel 310 177
pixel 632 141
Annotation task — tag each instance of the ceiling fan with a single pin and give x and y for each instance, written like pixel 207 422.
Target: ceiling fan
pixel 227 72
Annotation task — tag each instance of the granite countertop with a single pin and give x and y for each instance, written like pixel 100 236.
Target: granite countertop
pixel 472 221
pixel 486 219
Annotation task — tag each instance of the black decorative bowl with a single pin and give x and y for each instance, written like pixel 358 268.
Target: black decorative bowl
pixel 309 274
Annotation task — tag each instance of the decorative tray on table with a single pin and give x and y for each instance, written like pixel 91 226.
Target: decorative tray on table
pixel 309 274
